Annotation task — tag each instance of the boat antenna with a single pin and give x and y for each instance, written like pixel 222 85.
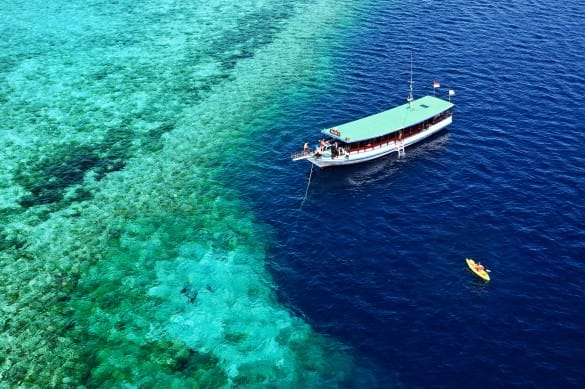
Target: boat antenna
pixel 410 98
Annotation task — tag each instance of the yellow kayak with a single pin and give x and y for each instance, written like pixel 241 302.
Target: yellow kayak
pixel 480 272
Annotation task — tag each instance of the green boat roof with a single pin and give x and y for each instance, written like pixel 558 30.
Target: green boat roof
pixel 389 121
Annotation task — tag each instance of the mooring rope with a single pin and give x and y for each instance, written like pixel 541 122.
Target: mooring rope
pixel 308 183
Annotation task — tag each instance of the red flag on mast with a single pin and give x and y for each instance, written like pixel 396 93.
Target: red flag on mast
pixel 436 84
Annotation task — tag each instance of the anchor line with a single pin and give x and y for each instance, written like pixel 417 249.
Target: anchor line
pixel 308 183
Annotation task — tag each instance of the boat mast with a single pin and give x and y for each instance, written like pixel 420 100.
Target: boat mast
pixel 410 98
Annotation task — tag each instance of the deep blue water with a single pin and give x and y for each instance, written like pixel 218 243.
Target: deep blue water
pixel 375 255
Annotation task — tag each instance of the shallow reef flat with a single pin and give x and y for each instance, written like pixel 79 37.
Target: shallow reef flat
pixel 127 258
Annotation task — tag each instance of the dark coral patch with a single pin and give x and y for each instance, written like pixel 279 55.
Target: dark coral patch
pixel 47 180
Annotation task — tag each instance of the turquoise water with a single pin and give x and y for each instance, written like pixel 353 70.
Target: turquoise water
pixel 128 256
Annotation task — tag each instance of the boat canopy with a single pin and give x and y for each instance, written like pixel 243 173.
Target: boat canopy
pixel 389 121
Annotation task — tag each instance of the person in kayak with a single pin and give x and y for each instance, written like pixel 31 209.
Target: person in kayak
pixel 479 267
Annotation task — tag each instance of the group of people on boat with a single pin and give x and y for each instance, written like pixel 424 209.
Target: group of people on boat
pixel 338 151
pixel 324 144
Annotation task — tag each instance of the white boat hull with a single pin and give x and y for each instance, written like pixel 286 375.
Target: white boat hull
pixel 378 151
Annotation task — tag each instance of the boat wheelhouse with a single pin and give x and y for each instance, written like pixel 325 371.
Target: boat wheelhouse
pixel 380 134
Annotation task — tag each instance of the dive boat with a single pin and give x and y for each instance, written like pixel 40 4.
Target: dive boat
pixel 381 134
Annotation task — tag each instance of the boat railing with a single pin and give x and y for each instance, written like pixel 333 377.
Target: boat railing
pixel 410 131
pixel 373 146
